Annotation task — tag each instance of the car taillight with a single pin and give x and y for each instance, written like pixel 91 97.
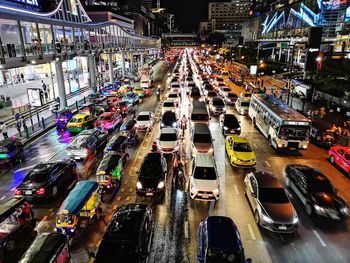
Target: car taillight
pixel 41 191
pixel 79 125
pixel 124 107
pixel 18 192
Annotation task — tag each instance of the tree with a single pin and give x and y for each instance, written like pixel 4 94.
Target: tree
pixel 216 38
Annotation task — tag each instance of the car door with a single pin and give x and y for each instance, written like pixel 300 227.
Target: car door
pixel 339 157
pixel 254 192
pixel 347 162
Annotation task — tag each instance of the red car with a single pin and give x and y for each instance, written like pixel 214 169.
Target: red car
pixel 340 155
pixel 109 121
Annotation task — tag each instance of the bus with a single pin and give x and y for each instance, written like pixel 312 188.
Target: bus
pixel 283 126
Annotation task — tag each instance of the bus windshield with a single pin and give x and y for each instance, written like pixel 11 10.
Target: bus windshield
pixel 294 132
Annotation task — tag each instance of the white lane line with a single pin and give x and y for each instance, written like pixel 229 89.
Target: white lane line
pixel 251 232
pixel 236 189
pixel 319 238
pixel 13 189
pixel 186 229
pixel 267 164
pixel 3 197
pixel 24 168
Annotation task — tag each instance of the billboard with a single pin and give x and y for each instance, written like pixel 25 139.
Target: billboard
pixel 34 97
pixel 42 6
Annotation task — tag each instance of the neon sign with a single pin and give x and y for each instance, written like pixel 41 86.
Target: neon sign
pixel 28 2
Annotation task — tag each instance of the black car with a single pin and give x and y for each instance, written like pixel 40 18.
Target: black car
pixel 195 93
pixel 152 175
pixel 230 124
pixel 211 94
pixel 168 120
pixel 128 236
pixel 11 150
pixel 47 179
pixel 315 192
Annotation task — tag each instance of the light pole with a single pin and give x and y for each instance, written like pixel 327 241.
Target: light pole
pixel 290 76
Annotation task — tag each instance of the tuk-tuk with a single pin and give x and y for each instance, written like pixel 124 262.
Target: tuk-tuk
pixel 79 209
pixel 118 144
pixel 48 247
pixel 16 216
pixel 62 118
pixel 109 173
pixel 11 149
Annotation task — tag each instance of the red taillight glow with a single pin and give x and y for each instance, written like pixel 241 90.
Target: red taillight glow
pixel 18 192
pixel 41 191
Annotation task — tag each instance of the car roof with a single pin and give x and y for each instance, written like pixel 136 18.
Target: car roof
pixel 42 167
pixel 204 160
pixel 223 233
pixel 201 128
pixel 267 180
pixel 144 113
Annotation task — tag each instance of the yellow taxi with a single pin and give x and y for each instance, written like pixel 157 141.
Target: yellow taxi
pixel 239 151
pixel 81 121
pixel 140 91
pixel 224 71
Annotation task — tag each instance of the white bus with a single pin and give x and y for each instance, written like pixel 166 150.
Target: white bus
pixel 283 126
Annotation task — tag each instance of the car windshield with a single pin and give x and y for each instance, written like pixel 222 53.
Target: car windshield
pixel 168 104
pixel 36 177
pixel 218 103
pixel 242 147
pixel 172 96
pixel 231 121
pixel 105 117
pixel 217 256
pixel 76 120
pixel 205 173
pixel 168 137
pixel 201 138
pixel 143 118
pixel 273 195
pixel 244 104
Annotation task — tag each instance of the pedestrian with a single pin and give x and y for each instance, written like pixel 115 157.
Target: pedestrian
pixel 22 77
pixel 3 130
pixel 19 126
pixel 44 90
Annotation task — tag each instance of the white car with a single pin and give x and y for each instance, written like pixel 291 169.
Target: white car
pixel 175 87
pixel 204 180
pixel 223 91
pixel 174 96
pixel 242 105
pixel 169 105
pixel 144 121
pixel 168 140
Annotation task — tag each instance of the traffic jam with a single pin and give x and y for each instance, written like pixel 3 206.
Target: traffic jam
pixel 155 140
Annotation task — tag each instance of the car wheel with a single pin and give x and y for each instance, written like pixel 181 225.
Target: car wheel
pixel 331 159
pixel 54 191
pixel 308 209
pixel 257 217
pixel 10 245
pixel 287 181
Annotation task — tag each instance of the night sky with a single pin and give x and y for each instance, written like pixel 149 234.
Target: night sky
pixel 188 13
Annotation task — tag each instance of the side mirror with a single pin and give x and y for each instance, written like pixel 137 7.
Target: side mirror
pixel 254 195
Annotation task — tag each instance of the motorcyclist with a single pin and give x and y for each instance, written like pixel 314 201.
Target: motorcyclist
pixel 132 135
pixel 178 172
pixel 183 124
pixel 158 92
pixel 154 147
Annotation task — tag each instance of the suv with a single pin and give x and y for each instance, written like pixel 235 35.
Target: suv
pixel 219 241
pixel 202 141
pixel 128 237
pixel 204 181
pixel 315 192
pixel 152 175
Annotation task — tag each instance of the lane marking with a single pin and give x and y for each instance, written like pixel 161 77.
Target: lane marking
pixel 251 232
pixel 319 238
pixel 186 229
pixel 267 164
pixel 2 198
pixel 41 156
pixel 236 189
pixel 13 189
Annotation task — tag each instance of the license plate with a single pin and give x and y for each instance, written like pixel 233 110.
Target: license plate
pixel 205 196
pixel 282 227
pixel 28 192
pixel 149 194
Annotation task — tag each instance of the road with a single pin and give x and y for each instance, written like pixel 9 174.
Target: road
pixel 177 217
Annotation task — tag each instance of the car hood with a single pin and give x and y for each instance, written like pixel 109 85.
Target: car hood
pixel 202 147
pixel 283 213
pixel 327 200
pixel 142 123
pixel 244 156
pixel 149 182
pixel 205 185
pixel 168 144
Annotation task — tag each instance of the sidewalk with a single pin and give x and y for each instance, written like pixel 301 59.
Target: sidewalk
pixel 35 121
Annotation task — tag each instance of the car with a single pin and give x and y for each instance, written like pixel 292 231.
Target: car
pixel 128 236
pixel 219 241
pixel 219 80
pixel 217 106
pixel 245 94
pixel 87 143
pixel 168 120
pixel 11 150
pixel 152 175
pixel 239 151
pixel 47 180
pixel 124 107
pixel 242 105
pixel 340 155
pixel 168 140
pixel 80 122
pixel 144 121
pixel 175 87
pixel 140 92
pixel 315 192
pixel 128 124
pixel 174 96
pixel 270 203
pixel 195 94
pixel 109 121
pixel 209 95
pixel 204 180
pixel 224 90
pixel 229 124
pixel 201 140
pixel 168 105
pixel 230 98
pixel 206 88
pixel 131 97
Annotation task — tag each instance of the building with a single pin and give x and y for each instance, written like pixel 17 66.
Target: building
pixel 206 27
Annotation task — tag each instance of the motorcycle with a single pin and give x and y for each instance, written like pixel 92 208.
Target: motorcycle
pixel 179 180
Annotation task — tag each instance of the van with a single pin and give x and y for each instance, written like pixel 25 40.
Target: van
pixel 201 139
pixel 199 113
pixel 242 105
pixel 219 241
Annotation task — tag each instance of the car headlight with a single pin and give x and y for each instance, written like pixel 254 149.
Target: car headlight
pixel 216 191
pixel 160 185
pixel 174 125
pixel 238 129
pixel 295 220
pixel 211 150
pixel 224 108
pixel 162 125
pixel 225 128
pixel 319 209
pixel 266 218
pixel 139 185
pixel 194 189
pixel 235 158
pixel 345 210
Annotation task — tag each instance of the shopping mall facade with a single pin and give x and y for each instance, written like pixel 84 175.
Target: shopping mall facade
pixel 55 42
pixel 289 23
